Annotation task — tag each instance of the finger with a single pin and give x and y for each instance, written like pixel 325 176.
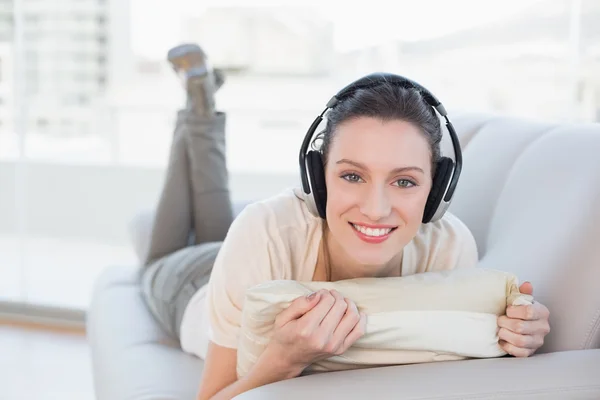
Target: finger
pixel 519 326
pixel 314 317
pixel 525 312
pixel 514 350
pixel 517 340
pixel 298 308
pixel 348 322
pixel 357 332
pixel 335 314
pixel 526 288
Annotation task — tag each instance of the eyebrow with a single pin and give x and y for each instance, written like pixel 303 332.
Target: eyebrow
pixel 394 171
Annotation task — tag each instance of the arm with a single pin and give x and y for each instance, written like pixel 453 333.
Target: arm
pixel 243 261
pixel 219 378
pixel 311 328
pixel 219 371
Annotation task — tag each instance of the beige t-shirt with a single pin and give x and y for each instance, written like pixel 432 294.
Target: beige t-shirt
pixel 278 238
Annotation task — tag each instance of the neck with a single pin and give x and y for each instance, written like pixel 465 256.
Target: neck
pixel 340 266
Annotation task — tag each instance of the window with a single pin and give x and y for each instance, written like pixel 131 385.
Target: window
pixel 92 127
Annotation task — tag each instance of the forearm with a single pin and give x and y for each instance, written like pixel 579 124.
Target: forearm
pixel 244 385
pixel 267 370
pixel 236 388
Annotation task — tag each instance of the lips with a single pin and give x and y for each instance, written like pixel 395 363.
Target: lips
pixel 373 233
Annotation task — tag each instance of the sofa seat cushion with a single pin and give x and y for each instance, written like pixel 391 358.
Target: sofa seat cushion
pixel 132 357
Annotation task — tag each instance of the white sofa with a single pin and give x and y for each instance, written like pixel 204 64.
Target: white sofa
pixel 530 193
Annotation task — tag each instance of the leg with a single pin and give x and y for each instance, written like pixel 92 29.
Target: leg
pixel 195 198
pixel 211 203
pixel 173 218
pixel 196 178
pixel 205 144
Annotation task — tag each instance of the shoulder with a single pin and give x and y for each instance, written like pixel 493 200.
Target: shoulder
pixel 441 245
pixel 289 210
pixel 267 232
pixel 289 223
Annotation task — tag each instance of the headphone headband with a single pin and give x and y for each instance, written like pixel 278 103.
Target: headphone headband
pixel 373 80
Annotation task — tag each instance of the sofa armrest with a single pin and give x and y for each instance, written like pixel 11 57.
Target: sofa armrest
pixel 140 229
pixel 570 374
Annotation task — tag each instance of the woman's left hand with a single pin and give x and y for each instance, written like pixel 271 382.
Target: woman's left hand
pixel 523 328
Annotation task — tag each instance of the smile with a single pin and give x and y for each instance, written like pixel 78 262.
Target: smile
pixel 372 234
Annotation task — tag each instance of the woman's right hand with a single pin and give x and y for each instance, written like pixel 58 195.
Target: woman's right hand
pixel 314 328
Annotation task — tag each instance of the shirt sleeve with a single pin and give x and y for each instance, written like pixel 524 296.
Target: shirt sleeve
pixel 243 261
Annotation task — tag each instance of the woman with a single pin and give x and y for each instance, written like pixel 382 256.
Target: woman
pixel 380 149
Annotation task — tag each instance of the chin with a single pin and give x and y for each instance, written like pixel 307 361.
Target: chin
pixel 372 254
pixel 370 258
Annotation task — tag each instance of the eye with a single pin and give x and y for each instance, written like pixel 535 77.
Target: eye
pixel 405 183
pixel 351 177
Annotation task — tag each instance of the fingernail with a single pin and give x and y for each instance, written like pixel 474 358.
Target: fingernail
pixel 311 296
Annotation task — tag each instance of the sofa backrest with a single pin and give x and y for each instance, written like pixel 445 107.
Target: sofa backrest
pixel 530 193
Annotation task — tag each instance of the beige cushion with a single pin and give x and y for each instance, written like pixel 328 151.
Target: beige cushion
pixel 434 316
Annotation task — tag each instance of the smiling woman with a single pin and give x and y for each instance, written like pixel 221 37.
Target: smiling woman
pixel 371 208
pixel 372 204
pixel 368 209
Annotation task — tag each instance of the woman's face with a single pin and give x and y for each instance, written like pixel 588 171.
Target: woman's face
pixel 378 177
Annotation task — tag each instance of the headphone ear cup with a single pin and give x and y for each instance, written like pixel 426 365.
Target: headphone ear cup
pixel 441 179
pixel 316 173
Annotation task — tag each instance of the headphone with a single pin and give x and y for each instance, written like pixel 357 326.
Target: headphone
pixel 447 171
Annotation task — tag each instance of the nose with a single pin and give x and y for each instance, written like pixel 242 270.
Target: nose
pixel 376 204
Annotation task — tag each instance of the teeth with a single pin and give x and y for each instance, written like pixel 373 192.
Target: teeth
pixel 372 232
